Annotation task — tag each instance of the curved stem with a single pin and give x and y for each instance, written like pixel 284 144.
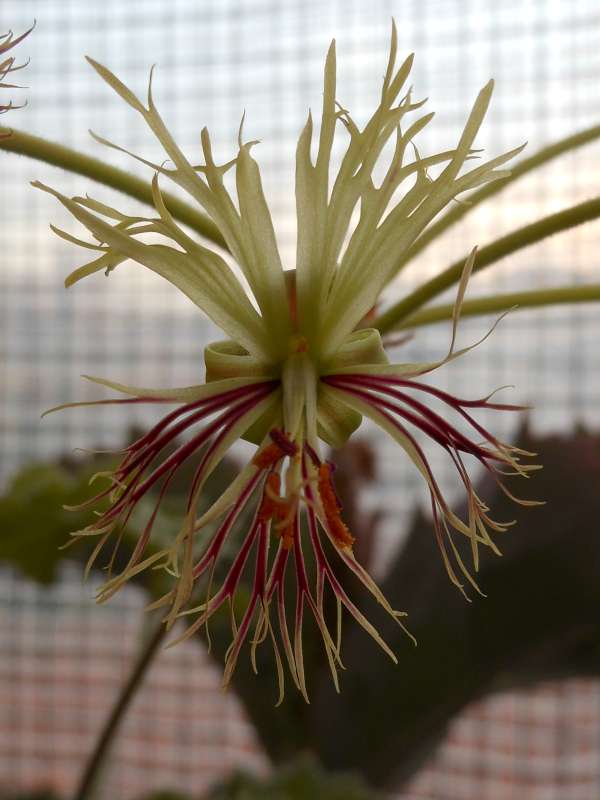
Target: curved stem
pixel 25 144
pixel 458 211
pixel 501 302
pixel 523 237
pixel 111 726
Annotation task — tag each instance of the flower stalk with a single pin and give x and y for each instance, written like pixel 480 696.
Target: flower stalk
pixel 522 167
pixel 489 254
pixel 98 170
pixel 101 748
pixel 499 303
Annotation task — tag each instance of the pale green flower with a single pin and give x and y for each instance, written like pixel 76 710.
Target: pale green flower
pixel 8 66
pixel 299 368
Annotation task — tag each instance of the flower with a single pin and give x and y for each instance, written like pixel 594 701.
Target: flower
pixel 7 65
pixel 299 368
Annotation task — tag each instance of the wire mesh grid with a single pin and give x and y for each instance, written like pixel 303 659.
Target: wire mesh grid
pixel 542 743
pixel 216 59
pixel 62 668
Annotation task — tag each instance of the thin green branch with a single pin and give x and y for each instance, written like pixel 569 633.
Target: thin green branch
pixel 458 211
pixel 502 302
pixel 119 709
pixel 71 160
pixel 500 248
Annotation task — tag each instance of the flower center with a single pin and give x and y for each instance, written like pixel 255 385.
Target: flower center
pixel 309 409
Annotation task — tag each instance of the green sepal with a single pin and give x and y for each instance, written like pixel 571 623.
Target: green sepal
pixel 228 359
pixel 257 432
pixel 360 347
pixel 336 421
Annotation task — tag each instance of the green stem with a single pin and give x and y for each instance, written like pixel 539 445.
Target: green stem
pixel 501 302
pixel 111 726
pixel 25 144
pixel 523 237
pixel 458 211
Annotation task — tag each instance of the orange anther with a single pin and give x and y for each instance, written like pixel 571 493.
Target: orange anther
pixel 268 456
pixel 340 532
pixel 287 542
pixel 329 498
pixel 271 501
pixel 280 447
pixel 286 534
pixel 331 506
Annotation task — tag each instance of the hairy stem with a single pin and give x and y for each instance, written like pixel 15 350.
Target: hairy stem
pixel 123 702
pixel 458 211
pixel 501 302
pixel 57 155
pixel 500 248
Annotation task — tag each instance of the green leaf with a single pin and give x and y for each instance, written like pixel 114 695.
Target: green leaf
pixel 34 525
pixel 303 779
